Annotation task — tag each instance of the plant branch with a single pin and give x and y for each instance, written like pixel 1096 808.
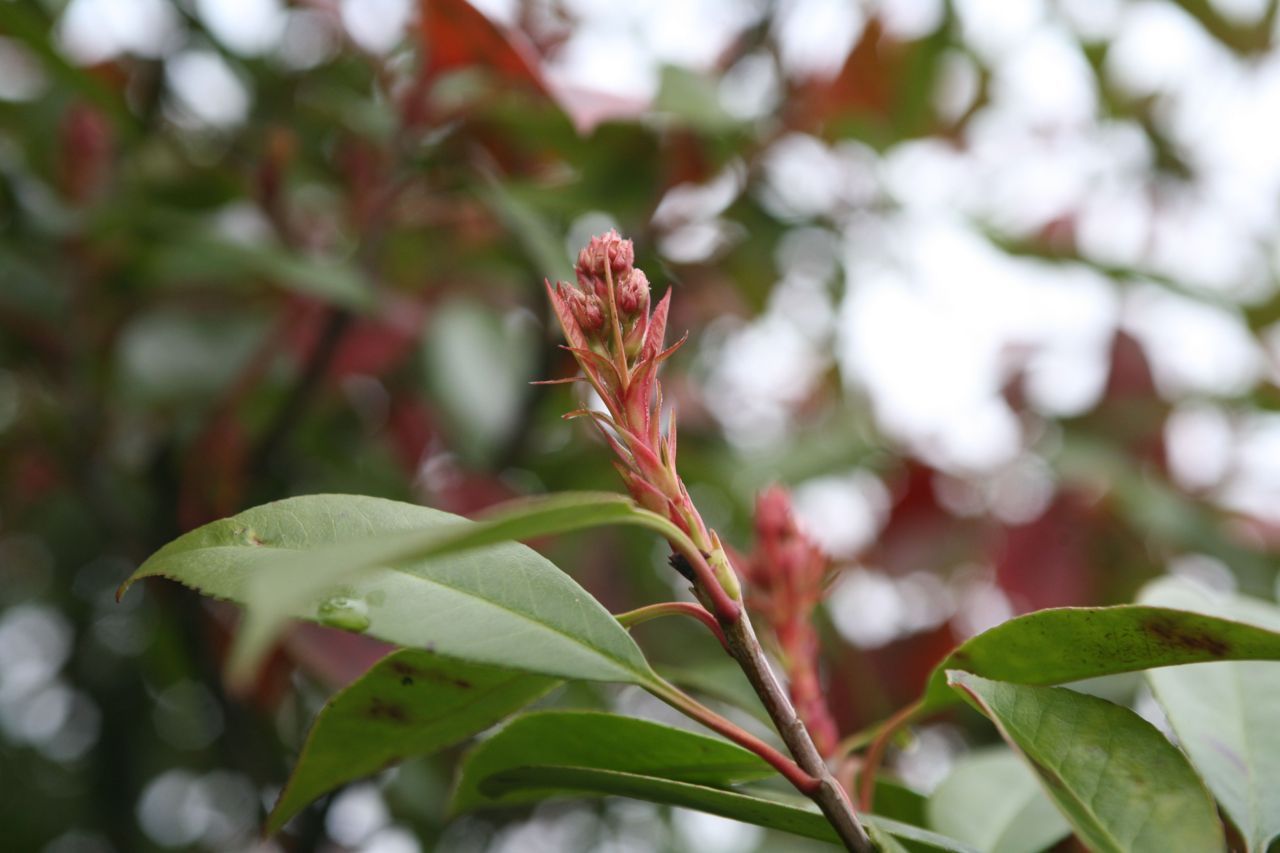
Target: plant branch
pixel 673 608
pixel 690 707
pixel 828 794
pixel 745 648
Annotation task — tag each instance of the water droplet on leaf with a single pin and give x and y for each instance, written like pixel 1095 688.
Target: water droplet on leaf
pixel 349 614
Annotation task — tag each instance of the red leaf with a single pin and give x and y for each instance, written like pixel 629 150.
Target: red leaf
pixel 1047 562
pixel 568 325
pixel 868 84
pixel 657 331
pixel 455 35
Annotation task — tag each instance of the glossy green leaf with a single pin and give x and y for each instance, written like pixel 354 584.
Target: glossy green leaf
pixel 602 741
pixel 561 753
pixel 542 781
pixel 1224 714
pixel 883 840
pixel 992 800
pixel 897 800
pixel 1073 643
pixel 770 811
pixel 1121 784
pixel 411 703
pixel 412 576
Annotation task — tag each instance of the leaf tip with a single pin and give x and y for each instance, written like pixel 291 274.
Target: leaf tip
pixel 275 820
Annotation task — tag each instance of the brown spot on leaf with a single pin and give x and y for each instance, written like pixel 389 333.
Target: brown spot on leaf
pixel 389 711
pixel 1174 635
pixel 408 673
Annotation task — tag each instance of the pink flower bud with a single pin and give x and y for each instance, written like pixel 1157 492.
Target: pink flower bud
pixel 609 251
pixel 622 254
pixel 592 284
pixel 633 293
pixel 586 309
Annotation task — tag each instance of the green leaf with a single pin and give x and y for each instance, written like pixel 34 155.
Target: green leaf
pixel 894 799
pixel 912 837
pixel 413 576
pixel 798 817
pixel 1224 714
pixel 410 703
pixel 1073 643
pixel 542 781
pixel 588 739
pixel 991 799
pixel 1120 783
pixel 884 842
pixel 561 753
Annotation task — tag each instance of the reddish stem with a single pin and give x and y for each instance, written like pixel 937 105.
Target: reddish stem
pixel 689 706
pixel 674 608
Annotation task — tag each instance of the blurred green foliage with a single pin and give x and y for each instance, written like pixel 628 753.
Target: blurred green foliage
pixel 341 291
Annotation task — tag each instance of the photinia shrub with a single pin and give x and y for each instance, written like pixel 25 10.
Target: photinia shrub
pixel 488 626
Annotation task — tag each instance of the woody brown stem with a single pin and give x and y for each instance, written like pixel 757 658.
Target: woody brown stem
pixel 828 794
pixel 745 648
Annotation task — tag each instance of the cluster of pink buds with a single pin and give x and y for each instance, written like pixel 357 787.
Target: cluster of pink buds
pixel 785 579
pixel 619 344
pixel 612 295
